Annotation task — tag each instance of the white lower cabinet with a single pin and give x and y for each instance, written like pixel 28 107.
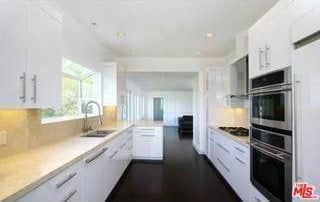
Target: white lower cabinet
pixel 94 181
pixel 148 143
pixel 233 162
pixel 94 177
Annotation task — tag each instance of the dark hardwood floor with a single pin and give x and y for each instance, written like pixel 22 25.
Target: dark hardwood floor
pixel 182 176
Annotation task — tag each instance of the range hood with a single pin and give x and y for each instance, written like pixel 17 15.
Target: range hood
pixel 239 82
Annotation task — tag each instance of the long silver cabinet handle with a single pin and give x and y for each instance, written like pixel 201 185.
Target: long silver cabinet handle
pixel 89 160
pixel 123 145
pixel 266 49
pixel 296 82
pixel 222 147
pixel 114 153
pixel 240 150
pixel 223 165
pixel 260 58
pixel 62 182
pixel 69 196
pixel 23 78
pixel 257 199
pixel 147 135
pixel 34 97
pixel 240 161
pixel 147 129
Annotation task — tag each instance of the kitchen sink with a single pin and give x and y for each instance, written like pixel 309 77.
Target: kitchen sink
pixel 99 133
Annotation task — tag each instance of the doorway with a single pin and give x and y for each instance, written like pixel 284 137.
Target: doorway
pixel 158 109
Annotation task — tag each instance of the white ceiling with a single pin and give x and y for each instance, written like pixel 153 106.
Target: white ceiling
pixel 168 28
pixel 162 81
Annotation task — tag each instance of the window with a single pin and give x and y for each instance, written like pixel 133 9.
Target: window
pixel 134 106
pixel 79 85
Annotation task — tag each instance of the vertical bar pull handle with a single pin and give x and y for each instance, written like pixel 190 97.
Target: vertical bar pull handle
pixel 24 86
pixel 34 97
pixel 260 59
pixel 266 50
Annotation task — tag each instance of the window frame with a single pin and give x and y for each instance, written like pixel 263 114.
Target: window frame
pixel 80 115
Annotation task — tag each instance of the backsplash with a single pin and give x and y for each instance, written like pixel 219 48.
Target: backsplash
pixel 227 116
pixel 25 131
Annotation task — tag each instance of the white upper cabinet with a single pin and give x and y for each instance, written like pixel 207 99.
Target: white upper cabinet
pixel 44 58
pixel 13 39
pixel 30 56
pixel 270 38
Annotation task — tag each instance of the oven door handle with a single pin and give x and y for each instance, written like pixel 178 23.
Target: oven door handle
pixel 269 153
pixel 271 91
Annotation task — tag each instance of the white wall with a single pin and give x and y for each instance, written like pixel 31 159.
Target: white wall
pixel 176 104
pixel 81 46
pixel 196 112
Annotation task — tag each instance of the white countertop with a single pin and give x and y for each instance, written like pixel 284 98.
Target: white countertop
pixel 244 140
pixel 23 172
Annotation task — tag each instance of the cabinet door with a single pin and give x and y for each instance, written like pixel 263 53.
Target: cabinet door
pixel 94 183
pixel 277 46
pixel 44 58
pixel 13 27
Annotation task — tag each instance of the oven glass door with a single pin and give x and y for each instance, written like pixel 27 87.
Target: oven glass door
pixel 272 109
pixel 269 173
pixel 269 106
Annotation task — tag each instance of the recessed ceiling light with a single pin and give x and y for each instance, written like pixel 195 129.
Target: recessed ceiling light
pixel 197 52
pixel 133 52
pixel 121 33
pixel 209 35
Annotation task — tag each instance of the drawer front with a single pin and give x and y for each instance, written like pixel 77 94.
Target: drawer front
pixel 222 160
pixel 148 130
pixel 66 185
pixel 226 142
pixel 148 146
pixel 241 151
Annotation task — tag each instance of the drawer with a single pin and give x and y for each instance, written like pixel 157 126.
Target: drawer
pixel 66 185
pixel 225 141
pixel 223 156
pixel 148 130
pixel 240 150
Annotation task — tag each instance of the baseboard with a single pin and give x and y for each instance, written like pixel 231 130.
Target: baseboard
pixel 197 149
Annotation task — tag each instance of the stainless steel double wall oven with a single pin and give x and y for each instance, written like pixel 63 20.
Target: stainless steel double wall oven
pixel 271 134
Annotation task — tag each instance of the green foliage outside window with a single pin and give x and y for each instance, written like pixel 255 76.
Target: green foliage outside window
pixel 78 87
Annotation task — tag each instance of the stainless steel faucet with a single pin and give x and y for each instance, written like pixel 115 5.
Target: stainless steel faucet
pixel 86 127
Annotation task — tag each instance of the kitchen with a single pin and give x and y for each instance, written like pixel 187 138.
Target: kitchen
pixel 77 120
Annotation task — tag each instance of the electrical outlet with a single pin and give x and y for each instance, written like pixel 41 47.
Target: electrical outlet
pixel 3 138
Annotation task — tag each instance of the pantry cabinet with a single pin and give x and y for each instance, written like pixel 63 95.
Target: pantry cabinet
pixel 30 56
